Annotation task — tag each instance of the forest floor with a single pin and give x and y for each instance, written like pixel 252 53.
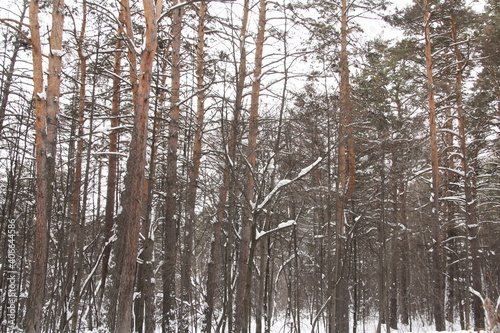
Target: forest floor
pixel 281 325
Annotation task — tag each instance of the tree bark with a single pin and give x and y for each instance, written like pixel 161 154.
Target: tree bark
pixel 75 189
pixel 125 27
pixel 77 233
pixel 438 276
pixel 145 303
pixel 339 308
pixel 46 126
pixel 80 235
pixel 171 211
pixel 400 199
pixel 109 210
pixel 470 202
pixel 449 180
pixel 248 218
pixel 227 199
pixel 132 197
pixel 214 262
pixel 195 167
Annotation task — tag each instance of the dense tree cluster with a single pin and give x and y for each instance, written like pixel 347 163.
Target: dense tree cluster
pixel 214 166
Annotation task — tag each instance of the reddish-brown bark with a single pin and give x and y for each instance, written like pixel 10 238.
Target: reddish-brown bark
pixel 132 197
pixel 346 184
pixel 248 219
pixel 438 283
pixel 46 126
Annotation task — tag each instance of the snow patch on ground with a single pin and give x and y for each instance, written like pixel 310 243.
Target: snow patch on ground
pixel 283 325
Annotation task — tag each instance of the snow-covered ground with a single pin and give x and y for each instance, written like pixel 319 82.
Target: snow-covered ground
pixel 286 325
pixel 281 326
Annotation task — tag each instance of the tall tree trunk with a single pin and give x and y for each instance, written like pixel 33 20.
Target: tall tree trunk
pixel 46 126
pixel 74 196
pixel 171 212
pixel 109 210
pixel 262 313
pixel 80 236
pixel 234 141
pixel 227 199
pixel 383 261
pixel 438 276
pixel 69 287
pixel 263 246
pixel 125 20
pixel 400 198
pixel 248 218
pixel 130 218
pixel 145 266
pixel 214 262
pixel 145 303
pixel 470 202
pixel 339 309
pixel 405 264
pixel 395 176
pixel 393 287
pixel 449 180
pixel 195 166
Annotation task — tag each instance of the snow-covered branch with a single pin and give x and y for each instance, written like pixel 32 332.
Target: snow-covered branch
pixel 284 182
pixel 477 293
pixel 283 225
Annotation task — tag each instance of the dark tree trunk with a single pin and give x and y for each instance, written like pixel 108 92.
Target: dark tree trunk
pixel 195 166
pixel 109 210
pixel 171 209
